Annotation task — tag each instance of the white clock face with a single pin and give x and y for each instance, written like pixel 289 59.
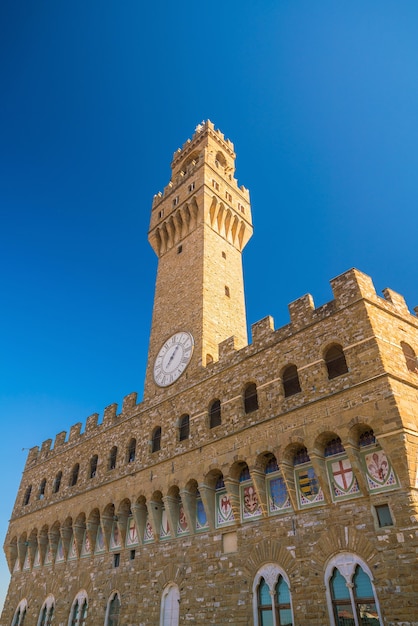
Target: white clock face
pixel 173 358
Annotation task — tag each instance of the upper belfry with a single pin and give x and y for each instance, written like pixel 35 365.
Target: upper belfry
pixel 199 227
pixel 208 159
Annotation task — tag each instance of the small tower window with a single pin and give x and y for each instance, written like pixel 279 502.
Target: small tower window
pixel 26 497
pixel 131 450
pixel 161 213
pixel 227 291
pixel 42 487
pixel 112 457
pixel 224 255
pixel 215 417
pixel 335 362
pixel 180 249
pixel 191 187
pixel 250 398
pixel 184 428
pixel 290 379
pixel 57 483
pixel 156 440
pixel 93 466
pixel 74 475
pixel 410 357
pixel 175 201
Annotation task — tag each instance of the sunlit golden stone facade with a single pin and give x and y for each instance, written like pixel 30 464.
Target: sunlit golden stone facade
pixel 265 483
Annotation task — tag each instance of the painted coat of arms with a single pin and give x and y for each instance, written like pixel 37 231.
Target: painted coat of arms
pixel 379 472
pixel 343 481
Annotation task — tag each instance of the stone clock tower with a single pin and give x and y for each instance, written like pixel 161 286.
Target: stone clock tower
pixel 199 227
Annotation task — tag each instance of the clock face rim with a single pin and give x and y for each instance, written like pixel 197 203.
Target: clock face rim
pixel 178 359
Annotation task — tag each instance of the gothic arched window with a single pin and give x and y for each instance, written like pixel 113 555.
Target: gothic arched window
pixel 350 592
pixel 47 612
pixel 79 609
pixel 113 610
pixel 271 597
pixel 20 614
pixel 170 606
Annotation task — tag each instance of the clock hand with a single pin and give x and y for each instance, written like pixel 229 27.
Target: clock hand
pixel 172 356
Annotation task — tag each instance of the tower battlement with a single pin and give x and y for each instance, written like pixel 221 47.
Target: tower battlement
pixel 219 155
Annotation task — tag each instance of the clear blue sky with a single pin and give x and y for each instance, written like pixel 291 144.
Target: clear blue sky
pixel 321 101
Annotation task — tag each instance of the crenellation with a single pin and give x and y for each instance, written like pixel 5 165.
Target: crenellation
pixel 75 431
pixel 32 456
pixel 397 300
pixel 110 414
pixel 301 311
pixel 227 348
pixel 352 286
pixel 91 423
pixel 45 448
pixel 129 404
pixel 262 330
pixel 59 439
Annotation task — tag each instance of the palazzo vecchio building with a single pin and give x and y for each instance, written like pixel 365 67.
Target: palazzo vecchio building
pixel 270 483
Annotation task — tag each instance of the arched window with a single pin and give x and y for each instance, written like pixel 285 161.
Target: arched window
pixel 290 379
pixel 170 606
pixel 334 446
pixel 47 612
pixel 350 593
pixel 93 466
pixel 20 614
pixel 184 428
pixel 57 483
pixel 215 417
pixel 112 457
pixel 113 610
pixel 42 487
pixel 335 362
pixel 250 398
pixel 131 450
pixel 271 597
pixel 410 357
pixel 74 475
pixel 366 438
pixel 26 497
pixel 156 439
pixel 79 609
